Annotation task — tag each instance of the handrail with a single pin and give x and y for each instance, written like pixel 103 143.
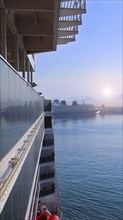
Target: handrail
pixel 10 175
pixel 5 175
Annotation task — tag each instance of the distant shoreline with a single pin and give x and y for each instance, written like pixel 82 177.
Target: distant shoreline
pixel 111 110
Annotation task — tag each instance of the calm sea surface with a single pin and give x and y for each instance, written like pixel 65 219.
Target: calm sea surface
pixel 89 167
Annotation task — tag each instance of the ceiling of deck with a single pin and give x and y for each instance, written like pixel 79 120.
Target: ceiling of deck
pixel 40 25
pixel 35 22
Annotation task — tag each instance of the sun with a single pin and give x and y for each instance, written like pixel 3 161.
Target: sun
pixel 107 92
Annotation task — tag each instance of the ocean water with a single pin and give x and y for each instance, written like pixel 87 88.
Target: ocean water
pixel 89 167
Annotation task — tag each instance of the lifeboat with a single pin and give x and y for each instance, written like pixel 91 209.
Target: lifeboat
pixel 47 217
pixel 54 217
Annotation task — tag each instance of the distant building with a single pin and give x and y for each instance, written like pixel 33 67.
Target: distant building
pixel 56 101
pixel 74 103
pixel 63 102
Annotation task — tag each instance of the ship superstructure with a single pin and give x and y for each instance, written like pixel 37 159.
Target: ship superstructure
pixel 27 168
pixel 62 109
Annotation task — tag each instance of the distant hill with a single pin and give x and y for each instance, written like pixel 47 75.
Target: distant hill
pixel 112 101
pixel 116 100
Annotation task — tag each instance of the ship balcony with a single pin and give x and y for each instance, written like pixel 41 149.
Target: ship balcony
pixel 47 143
pixel 49 132
pixel 48 188
pixel 48 114
pixel 47 106
pixel 49 158
pixel 47 175
pixel 45 181
pixel 47 153
pixel 48 121
pixel 46 164
pixel 46 191
pixel 47 169
pixel 48 138
pixel 47 147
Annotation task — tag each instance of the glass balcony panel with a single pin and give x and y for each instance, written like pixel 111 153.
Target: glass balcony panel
pixel 4 104
pixel 20 106
pixel 20 193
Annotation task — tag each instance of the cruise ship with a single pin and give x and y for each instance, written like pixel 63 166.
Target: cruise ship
pixel 64 110
pixel 28 189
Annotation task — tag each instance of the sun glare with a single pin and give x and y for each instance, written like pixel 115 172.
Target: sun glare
pixel 107 92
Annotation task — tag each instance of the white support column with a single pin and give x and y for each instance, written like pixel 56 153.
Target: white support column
pixel 31 76
pixel 28 71
pixel 24 63
pixel 16 52
pixel 3 34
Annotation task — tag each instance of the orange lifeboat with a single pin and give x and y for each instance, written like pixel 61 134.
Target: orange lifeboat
pixel 42 217
pixel 47 217
pixel 54 217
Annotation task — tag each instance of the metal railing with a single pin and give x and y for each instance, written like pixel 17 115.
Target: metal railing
pixel 69 18
pixel 76 4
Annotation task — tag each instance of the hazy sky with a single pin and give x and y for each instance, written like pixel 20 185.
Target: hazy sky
pixel 90 66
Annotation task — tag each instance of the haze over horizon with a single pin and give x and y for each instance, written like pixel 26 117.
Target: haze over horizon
pixel 92 65
pixel 114 101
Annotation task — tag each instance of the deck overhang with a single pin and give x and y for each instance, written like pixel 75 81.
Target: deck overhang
pixel 38 26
